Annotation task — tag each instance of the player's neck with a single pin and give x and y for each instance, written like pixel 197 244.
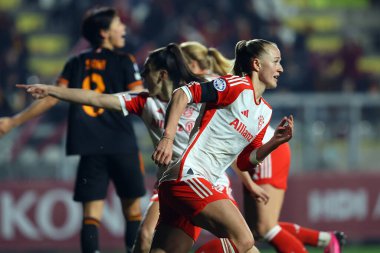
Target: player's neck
pixel 107 45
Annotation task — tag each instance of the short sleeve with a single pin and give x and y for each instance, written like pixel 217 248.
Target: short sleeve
pixel 243 161
pixel 67 72
pixel 225 93
pixel 130 103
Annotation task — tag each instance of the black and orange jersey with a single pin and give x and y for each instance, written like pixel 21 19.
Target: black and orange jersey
pixel 94 130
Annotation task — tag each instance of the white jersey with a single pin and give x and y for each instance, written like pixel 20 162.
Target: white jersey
pixel 228 125
pixel 152 111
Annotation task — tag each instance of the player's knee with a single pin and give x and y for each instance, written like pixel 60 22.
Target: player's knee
pixel 132 213
pixel 244 244
pixel 262 228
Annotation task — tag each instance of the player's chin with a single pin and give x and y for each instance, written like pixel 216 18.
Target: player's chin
pixel 272 85
pixel 120 43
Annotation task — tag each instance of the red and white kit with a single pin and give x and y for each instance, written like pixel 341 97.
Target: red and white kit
pixel 152 111
pixel 229 124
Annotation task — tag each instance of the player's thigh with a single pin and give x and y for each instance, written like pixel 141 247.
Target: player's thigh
pixel 125 171
pixel 259 216
pixel 151 216
pixel 223 219
pixel 171 240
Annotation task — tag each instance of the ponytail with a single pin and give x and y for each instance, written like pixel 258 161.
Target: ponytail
pixel 172 60
pixel 245 52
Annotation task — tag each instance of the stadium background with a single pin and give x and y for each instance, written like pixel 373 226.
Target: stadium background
pixel 331 83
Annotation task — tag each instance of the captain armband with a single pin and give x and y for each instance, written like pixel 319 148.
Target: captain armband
pixel 253 158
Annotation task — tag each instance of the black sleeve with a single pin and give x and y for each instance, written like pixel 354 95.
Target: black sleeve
pixel 209 93
pixel 131 70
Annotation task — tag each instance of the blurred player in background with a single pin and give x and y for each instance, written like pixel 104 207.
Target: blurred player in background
pixel 235 117
pixel 272 175
pixel 104 140
pixel 208 62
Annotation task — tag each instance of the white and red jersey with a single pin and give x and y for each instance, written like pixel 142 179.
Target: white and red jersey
pixel 228 125
pixel 152 111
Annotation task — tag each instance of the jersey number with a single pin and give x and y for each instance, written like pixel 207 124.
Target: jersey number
pixel 100 88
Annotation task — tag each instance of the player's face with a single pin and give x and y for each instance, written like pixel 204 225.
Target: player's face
pixel 271 68
pixel 152 79
pixel 117 33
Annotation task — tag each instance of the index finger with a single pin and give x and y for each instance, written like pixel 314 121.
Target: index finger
pixel 24 86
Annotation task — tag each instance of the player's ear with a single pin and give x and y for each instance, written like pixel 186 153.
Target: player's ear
pixel 164 74
pixel 104 33
pixel 256 65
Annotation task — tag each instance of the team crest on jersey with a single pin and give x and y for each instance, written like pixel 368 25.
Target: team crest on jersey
pixel 219 84
pixel 188 112
pixel 261 121
pixel 189 126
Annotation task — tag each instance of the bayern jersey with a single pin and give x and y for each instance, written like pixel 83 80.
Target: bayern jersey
pixel 228 125
pixel 152 111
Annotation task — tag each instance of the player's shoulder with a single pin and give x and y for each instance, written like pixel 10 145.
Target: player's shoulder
pixel 222 82
pixel 125 56
pixel 234 80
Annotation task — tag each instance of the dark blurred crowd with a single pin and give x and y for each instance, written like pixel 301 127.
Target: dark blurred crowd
pixel 220 24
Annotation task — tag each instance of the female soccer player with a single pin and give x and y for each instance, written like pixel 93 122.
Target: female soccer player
pixel 236 116
pixel 104 140
pixel 211 63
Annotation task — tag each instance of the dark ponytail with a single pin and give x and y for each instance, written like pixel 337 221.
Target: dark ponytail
pixel 172 60
pixel 245 52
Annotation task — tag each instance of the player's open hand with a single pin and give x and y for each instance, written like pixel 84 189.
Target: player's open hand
pixel 284 131
pixel 162 155
pixel 38 91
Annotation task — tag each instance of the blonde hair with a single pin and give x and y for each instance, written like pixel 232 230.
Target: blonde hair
pixel 207 58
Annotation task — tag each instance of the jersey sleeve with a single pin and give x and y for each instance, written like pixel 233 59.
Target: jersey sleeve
pixel 67 73
pixel 132 73
pixel 243 161
pixel 218 92
pixel 131 103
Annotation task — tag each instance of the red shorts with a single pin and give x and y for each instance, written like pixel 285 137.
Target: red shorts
pixel 228 191
pixel 180 201
pixel 274 169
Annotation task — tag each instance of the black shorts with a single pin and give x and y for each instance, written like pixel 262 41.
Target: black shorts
pixel 96 171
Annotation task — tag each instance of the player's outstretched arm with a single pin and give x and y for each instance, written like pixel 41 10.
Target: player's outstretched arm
pixel 35 109
pixel 80 96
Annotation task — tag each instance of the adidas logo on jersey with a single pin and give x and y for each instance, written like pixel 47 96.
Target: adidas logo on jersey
pixel 245 113
pixel 242 129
